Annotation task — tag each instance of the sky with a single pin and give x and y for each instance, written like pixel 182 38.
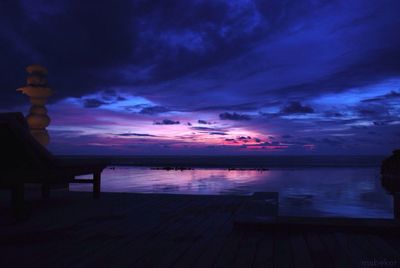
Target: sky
pixel 209 77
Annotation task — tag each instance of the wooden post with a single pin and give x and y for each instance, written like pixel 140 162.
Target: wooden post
pixel 396 206
pixel 17 200
pixel 45 190
pixel 96 184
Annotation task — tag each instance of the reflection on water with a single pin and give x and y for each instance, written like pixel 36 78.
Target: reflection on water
pixel 349 192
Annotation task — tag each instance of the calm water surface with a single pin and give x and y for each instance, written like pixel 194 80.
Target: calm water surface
pixel 348 192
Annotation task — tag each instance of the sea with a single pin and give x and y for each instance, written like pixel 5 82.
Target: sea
pixel 317 186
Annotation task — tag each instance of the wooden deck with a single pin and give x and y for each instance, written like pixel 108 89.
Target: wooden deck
pixel 154 230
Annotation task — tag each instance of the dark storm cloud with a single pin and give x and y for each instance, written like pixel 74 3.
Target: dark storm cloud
pixel 379 123
pixel 131 43
pixel 154 110
pixel 207 33
pixel 93 103
pixel 167 122
pixel 234 116
pixel 111 95
pixel 203 122
pixel 366 112
pixel 373 111
pixel 91 55
pixel 389 96
pixel 135 135
pixel 267 143
pixel 103 98
pixel 251 106
pixel 218 133
pixel 79 47
pixel 208 129
pixel 296 107
pixel 374 66
pixel 333 114
pixel 203 128
pixel 85 50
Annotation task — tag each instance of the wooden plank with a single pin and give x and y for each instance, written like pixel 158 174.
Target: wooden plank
pixel 211 220
pixel 138 244
pixel 393 241
pixel 301 254
pixel 374 254
pixel 132 226
pixel 384 248
pixel 283 250
pixel 247 250
pixel 339 255
pixel 366 225
pixel 355 254
pixel 164 243
pixel 221 245
pixel 77 250
pixel 362 242
pixel 319 253
pixel 210 254
pixel 264 256
pixel 211 239
pixel 119 229
pixel 228 252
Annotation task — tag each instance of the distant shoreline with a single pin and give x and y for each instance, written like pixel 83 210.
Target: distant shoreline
pixel 239 161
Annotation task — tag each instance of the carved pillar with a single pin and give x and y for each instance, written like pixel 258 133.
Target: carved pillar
pixel 37 90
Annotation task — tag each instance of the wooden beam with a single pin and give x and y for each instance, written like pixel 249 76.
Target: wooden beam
pixel 82 181
pixel 96 184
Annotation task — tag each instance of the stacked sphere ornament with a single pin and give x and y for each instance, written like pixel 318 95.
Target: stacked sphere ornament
pixel 37 90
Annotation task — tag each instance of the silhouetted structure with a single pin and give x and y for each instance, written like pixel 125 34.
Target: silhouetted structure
pixel 24 160
pixel 390 171
pixel 38 91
